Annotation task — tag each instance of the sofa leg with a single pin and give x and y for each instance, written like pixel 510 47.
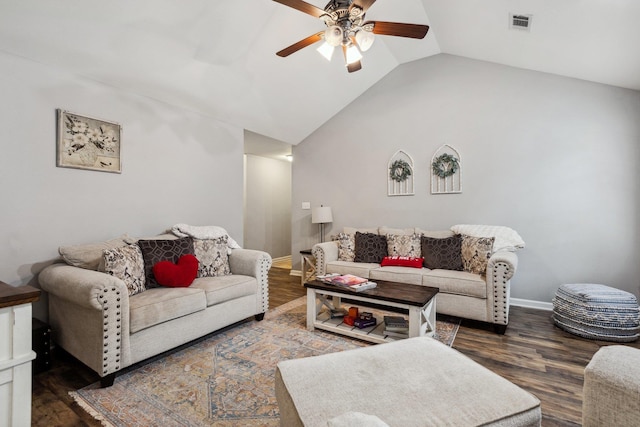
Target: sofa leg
pixel 500 329
pixel 108 380
pixel 259 316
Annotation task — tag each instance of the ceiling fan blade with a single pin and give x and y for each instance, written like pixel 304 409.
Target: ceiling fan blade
pixel 301 44
pixel 303 7
pixel 363 4
pixel 414 31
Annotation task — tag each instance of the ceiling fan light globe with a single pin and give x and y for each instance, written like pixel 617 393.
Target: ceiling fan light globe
pixel 353 55
pixel 333 35
pixel 365 39
pixel 326 50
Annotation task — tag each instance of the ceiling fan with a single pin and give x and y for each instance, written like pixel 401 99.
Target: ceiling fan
pixel 346 27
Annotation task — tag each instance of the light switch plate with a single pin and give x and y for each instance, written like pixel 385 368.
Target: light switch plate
pixel 306 205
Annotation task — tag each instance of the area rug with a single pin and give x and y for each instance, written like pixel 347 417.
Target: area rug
pixel 224 380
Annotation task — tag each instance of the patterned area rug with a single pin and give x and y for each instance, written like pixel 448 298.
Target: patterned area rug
pixel 226 379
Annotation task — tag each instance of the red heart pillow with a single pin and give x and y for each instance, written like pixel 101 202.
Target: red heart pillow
pixel 402 261
pixel 179 275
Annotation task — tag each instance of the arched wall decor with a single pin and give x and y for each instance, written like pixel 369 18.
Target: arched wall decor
pixel 446 171
pixel 400 175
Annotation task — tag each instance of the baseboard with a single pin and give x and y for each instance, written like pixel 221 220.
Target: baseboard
pixel 282 262
pixel 297 273
pixel 538 305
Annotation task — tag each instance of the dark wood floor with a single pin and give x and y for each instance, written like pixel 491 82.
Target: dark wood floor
pixel 533 354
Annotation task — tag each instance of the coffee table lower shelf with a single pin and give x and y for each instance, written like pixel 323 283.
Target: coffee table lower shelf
pixel 422 320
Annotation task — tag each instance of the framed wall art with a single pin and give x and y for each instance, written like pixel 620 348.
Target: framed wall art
pixel 88 143
pixel 446 171
pixel 400 177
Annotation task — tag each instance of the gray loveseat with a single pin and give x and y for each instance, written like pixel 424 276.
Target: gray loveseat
pixel 482 297
pixel 94 318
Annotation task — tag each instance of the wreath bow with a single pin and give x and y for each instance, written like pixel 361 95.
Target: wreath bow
pixel 399 171
pixel 445 165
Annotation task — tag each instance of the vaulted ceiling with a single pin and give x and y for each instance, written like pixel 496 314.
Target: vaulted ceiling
pixel 218 57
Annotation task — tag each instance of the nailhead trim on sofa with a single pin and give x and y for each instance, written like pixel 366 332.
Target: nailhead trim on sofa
pixel 112 326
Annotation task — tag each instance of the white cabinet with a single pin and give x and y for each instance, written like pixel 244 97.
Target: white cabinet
pixel 15 354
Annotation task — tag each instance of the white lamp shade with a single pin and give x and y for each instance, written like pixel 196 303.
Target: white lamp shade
pixel 333 35
pixel 326 50
pixel 353 54
pixel 364 39
pixel 321 215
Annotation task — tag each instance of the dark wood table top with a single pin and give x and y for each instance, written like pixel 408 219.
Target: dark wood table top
pixel 402 293
pixel 16 295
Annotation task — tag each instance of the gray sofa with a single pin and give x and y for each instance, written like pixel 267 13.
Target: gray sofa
pixel 94 318
pixel 463 294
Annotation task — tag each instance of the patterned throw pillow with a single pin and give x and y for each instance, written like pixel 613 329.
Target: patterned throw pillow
pixel 154 251
pixel 213 256
pixel 346 247
pixel 445 253
pixel 407 245
pixel 126 263
pixel 476 252
pixel 370 247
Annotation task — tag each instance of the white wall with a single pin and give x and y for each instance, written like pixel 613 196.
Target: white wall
pixel 178 166
pixel 555 158
pixel 267 224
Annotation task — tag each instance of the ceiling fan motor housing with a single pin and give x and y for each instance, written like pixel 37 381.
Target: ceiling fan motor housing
pixel 341 13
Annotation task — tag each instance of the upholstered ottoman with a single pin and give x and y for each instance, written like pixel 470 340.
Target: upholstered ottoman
pixel 413 382
pixel 597 312
pixel 612 388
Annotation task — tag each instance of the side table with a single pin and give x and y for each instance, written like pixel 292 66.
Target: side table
pixel 308 266
pixel 16 354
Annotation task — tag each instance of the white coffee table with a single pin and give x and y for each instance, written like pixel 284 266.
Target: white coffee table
pixel 420 301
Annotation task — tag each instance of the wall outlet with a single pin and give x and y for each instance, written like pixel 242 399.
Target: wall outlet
pixel 306 205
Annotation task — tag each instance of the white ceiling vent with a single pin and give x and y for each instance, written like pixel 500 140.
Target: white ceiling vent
pixel 518 21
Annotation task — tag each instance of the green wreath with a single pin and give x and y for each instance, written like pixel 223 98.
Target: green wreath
pixel 399 171
pixel 445 165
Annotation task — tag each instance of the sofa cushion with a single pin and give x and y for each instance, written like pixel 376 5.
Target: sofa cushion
pixel 444 253
pixel 90 255
pixel 476 252
pixel 361 269
pixel 158 305
pixel 177 275
pixel 410 275
pixel 213 256
pixel 156 250
pixel 456 282
pixel 126 264
pixel 346 247
pixel 225 288
pixel 406 245
pixel 370 247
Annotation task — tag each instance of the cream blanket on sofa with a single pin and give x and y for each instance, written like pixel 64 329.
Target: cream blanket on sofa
pixel 204 232
pixel 506 239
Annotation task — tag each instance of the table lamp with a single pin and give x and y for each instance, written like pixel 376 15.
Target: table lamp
pixel 321 215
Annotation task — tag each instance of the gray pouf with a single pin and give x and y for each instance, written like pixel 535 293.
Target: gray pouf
pixel 597 312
